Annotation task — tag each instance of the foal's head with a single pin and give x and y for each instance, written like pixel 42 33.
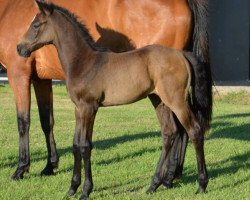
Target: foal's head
pixel 40 32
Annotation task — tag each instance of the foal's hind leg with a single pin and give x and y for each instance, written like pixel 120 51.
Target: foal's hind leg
pixel 196 134
pixel 43 90
pixel 168 161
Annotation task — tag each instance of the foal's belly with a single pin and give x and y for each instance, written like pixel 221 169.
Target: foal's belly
pixel 127 90
pixel 124 97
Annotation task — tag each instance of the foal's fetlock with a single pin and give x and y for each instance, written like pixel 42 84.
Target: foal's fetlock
pixel 49 168
pixel 75 183
pixel 85 194
pixel 87 189
pixel 55 163
pixel 202 186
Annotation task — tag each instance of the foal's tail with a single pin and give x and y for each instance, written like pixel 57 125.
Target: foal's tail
pixel 200 99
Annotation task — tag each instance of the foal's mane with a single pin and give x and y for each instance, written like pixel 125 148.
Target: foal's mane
pixel 80 26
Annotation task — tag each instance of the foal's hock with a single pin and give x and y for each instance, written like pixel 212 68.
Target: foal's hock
pixel 97 78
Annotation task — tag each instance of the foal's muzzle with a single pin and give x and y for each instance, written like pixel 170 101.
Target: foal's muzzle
pixel 23 51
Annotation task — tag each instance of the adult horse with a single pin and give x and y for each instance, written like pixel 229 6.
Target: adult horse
pixel 175 23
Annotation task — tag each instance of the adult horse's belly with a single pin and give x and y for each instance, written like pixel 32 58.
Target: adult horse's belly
pixel 48 65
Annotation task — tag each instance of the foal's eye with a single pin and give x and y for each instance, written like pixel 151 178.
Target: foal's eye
pixel 36 25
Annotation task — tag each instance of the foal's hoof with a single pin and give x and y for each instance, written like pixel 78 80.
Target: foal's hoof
pixel 167 185
pixel 16 176
pixel 153 187
pixel 151 190
pixel 200 190
pixel 83 197
pixel 71 192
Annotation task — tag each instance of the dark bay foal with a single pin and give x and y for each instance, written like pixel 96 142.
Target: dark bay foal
pixel 97 78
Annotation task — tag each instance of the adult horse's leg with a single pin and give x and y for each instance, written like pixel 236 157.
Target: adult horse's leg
pixel 82 146
pixel 44 96
pixel 171 141
pixel 177 154
pixel 20 84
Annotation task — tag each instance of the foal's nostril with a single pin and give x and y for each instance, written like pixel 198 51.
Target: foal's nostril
pixel 19 48
pixel 23 50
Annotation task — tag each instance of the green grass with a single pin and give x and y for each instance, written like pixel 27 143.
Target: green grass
pixel 127 146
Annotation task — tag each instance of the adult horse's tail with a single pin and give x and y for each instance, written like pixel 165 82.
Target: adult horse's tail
pixel 199 43
pixel 201 100
pixel 202 80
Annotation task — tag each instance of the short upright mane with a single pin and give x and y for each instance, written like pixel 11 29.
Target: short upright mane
pixel 79 26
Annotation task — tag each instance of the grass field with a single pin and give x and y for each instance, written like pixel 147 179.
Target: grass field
pixel 127 146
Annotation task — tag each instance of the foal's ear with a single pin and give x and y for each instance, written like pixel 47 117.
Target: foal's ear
pixel 45 8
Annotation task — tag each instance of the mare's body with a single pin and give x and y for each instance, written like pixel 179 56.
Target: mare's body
pixel 95 78
pixel 120 25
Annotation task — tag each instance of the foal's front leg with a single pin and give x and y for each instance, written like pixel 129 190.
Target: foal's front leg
pixel 82 146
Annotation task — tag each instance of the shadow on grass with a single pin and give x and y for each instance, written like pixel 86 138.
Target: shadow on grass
pixel 241 132
pixel 131 155
pixel 12 161
pixel 236 115
pixel 112 142
pixel 238 162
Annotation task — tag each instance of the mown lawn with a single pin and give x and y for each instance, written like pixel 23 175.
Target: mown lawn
pixel 127 146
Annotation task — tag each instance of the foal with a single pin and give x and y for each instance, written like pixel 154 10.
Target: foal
pixel 96 78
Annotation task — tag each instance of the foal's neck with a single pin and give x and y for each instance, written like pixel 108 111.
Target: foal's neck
pixel 71 45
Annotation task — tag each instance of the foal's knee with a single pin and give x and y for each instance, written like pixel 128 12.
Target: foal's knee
pixel 85 150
